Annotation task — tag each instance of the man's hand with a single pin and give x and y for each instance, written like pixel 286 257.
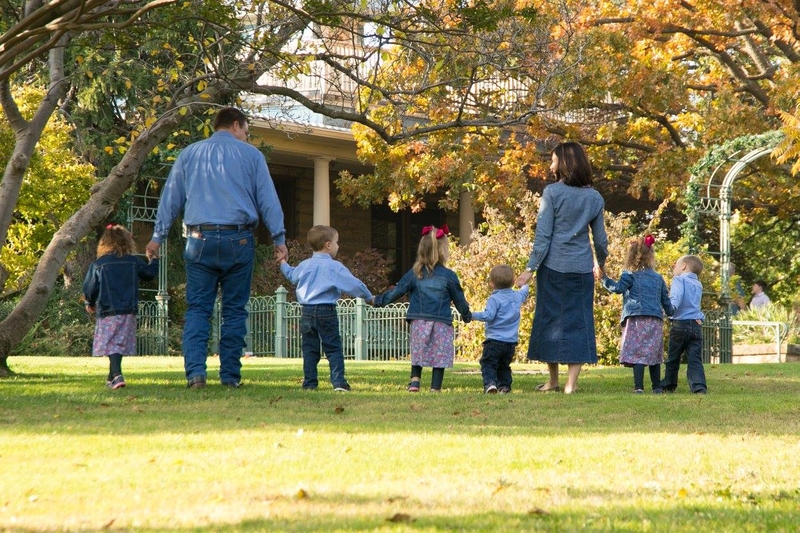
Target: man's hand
pixel 281 253
pixel 152 249
pixel 523 279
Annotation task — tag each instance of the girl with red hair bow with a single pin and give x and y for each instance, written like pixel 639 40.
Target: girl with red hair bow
pixel 431 288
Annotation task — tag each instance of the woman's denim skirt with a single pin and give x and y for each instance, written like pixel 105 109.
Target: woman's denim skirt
pixel 563 323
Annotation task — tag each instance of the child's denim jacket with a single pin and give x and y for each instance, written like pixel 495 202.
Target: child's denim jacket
pixel 112 283
pixel 429 297
pixel 644 293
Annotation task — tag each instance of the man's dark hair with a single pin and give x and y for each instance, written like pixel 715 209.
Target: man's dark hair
pixel 763 284
pixel 227 116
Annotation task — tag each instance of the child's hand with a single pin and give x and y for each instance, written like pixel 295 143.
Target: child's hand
pixel 90 309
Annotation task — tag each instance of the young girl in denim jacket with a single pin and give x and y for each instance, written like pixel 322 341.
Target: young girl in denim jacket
pixel 111 292
pixel 431 287
pixel 644 296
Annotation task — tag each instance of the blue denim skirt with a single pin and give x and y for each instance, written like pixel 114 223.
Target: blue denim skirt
pixel 563 322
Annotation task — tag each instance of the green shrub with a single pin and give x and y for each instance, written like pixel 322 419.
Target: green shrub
pixel 761 335
pixel 63 329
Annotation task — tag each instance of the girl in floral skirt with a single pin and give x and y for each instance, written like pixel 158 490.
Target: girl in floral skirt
pixel 644 296
pixel 431 288
pixel 111 291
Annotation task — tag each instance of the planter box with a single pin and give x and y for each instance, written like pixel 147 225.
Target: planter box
pixel 766 353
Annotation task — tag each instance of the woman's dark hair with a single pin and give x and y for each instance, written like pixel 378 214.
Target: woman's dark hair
pixel 573 167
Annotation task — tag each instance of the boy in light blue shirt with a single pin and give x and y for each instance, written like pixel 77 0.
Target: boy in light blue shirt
pixel 686 333
pixel 501 317
pixel 320 281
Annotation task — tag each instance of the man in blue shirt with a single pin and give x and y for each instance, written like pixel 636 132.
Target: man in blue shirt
pixel 320 282
pixel 502 330
pixel 222 184
pixel 686 333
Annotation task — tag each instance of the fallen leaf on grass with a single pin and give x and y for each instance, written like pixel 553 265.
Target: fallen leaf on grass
pixel 338 409
pixel 477 412
pixel 400 517
pixel 108 524
pixel 275 400
pixel 456 413
pixel 301 494
pixel 415 407
pixel 538 511
pixel 683 493
pixel 104 405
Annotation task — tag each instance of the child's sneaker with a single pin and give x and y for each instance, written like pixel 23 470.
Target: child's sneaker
pixel 491 389
pixel 413 386
pixel 504 390
pixel 117 383
pixel 342 388
pixel 638 391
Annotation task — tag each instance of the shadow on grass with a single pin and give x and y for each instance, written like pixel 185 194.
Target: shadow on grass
pixel 760 399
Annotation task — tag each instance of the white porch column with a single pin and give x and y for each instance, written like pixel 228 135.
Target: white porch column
pixel 322 191
pixel 466 218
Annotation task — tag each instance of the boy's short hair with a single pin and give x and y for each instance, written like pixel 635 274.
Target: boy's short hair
pixel 319 235
pixel 763 284
pixel 502 276
pixel 694 263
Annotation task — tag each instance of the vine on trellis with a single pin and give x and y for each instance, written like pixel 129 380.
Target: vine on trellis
pixel 717 156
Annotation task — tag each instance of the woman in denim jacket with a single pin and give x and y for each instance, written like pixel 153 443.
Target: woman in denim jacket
pixel 111 292
pixel 431 287
pixel 644 296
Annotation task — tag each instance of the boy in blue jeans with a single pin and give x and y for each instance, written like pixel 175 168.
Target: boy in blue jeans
pixel 686 334
pixel 320 282
pixel 501 317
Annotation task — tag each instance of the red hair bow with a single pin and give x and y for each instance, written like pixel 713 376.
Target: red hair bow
pixel 110 226
pixel 649 241
pixel 441 232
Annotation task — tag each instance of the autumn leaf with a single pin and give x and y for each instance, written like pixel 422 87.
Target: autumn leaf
pixel 400 518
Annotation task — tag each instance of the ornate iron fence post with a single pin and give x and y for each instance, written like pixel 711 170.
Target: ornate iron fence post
pixel 361 327
pixel 280 323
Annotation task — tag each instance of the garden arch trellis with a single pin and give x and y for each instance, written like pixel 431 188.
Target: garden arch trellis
pixel 717 200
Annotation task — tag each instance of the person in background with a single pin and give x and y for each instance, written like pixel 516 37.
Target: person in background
pixel 686 333
pixel 760 298
pixel 320 282
pixel 645 301
pixel 222 185
pixel 111 293
pixel 431 288
pixel 501 317
pixel 563 322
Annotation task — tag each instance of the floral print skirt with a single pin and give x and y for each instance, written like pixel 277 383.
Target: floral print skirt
pixel 115 334
pixel 642 341
pixel 431 344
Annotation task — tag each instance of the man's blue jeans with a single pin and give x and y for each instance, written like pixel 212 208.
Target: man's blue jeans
pixel 496 363
pixel 319 324
pixel 217 260
pixel 685 336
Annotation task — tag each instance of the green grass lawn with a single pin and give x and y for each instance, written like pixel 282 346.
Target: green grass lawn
pixel 156 456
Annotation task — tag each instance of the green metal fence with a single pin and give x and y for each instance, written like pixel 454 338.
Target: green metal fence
pixel 273 329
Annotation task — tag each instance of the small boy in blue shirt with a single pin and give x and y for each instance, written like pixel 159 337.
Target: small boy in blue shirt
pixel 686 334
pixel 320 282
pixel 502 329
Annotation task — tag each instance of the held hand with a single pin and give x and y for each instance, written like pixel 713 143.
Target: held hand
pixel 523 279
pixel 90 309
pixel 152 250
pixel 599 273
pixel 281 253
